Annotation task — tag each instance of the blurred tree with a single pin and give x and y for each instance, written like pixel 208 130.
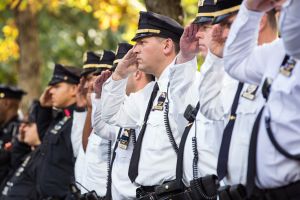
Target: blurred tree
pixel 29 64
pixel 36 33
pixel 171 8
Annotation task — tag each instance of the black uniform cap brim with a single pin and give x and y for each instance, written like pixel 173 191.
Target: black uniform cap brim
pixel 221 18
pixel 87 71
pixel 144 35
pixel 203 20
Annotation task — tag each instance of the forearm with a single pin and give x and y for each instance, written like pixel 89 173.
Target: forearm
pixel 77 130
pixel 209 88
pixel 87 129
pixel 115 110
pixel 289 25
pixel 101 128
pixel 43 120
pixel 242 61
pixel 182 77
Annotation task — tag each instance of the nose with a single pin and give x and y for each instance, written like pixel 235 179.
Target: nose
pixel 86 85
pixel 199 34
pixel 51 91
pixel 136 48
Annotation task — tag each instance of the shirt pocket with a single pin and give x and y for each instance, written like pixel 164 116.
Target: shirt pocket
pixel 156 137
pixel 209 133
pixel 284 84
pixel 250 107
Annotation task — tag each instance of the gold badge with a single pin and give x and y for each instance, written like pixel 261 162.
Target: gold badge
pixel 250 92
pixel 2 95
pixel 200 3
pixel 100 54
pixel 117 49
pixel 84 57
pixel 287 68
pixel 124 139
pixel 160 102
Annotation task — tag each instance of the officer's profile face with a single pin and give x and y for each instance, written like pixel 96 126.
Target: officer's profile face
pixel 7 105
pixel 226 25
pixel 150 54
pixel 63 94
pixel 88 80
pixel 204 37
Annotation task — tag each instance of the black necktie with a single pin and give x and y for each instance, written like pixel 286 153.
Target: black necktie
pixel 179 166
pixel 135 158
pixel 109 181
pixel 251 172
pixel 224 149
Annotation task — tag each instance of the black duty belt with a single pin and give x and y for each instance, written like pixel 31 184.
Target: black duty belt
pixel 167 191
pixel 288 192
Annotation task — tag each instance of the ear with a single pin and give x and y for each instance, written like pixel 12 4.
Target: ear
pixel 263 23
pixel 168 46
pixel 74 89
pixel 138 75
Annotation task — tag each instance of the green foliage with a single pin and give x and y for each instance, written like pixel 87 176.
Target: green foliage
pixel 68 28
pixel 64 39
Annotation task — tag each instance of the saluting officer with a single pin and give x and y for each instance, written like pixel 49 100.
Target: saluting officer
pixel 153 160
pixel 18 184
pixel 55 159
pixel 10 98
pixel 97 149
pixel 93 64
pixel 273 162
pixel 119 184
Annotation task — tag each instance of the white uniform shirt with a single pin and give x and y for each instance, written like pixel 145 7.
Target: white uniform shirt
pixel 210 132
pixel 158 158
pixel 76 133
pixel 122 188
pixel 208 83
pixel 248 62
pixel 246 114
pixel 96 159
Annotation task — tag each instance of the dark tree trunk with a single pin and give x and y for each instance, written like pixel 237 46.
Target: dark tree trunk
pixel 30 59
pixel 171 8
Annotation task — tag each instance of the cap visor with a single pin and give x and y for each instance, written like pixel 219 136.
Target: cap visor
pixel 143 35
pixel 221 18
pixel 203 20
pixel 54 82
pixel 86 72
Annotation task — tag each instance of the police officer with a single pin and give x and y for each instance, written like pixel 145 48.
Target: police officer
pixel 93 64
pixel 97 150
pixel 199 146
pixel 124 138
pixel 248 107
pixel 272 164
pixel 46 172
pixel 55 170
pixel 28 140
pixel 154 154
pixel 10 98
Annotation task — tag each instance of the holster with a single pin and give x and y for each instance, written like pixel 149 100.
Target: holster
pixel 167 191
pixel 235 192
pixel 92 195
pixel 204 188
